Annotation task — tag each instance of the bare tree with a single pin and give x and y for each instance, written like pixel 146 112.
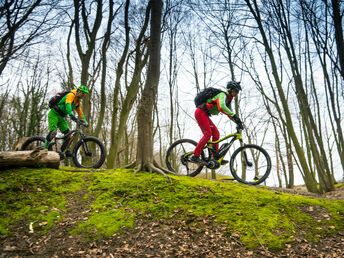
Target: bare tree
pixel 120 116
pixel 105 46
pixel 286 115
pixel 23 23
pixel 144 155
pixel 338 27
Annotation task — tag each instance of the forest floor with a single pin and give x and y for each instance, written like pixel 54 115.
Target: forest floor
pixel 161 237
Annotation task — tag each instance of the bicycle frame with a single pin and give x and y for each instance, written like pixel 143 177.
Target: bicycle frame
pixel 212 151
pixel 72 135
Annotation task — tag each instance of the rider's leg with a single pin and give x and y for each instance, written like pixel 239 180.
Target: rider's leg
pixel 215 134
pixel 65 140
pixel 203 121
pixel 51 135
pixel 53 121
pixel 64 128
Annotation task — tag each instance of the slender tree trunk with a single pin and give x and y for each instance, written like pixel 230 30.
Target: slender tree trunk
pixel 144 155
pixel 338 27
pixel 141 56
pixel 90 35
pixel 308 177
pixel 105 46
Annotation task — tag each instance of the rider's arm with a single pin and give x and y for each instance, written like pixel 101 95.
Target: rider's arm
pixel 80 113
pixel 69 100
pixel 221 104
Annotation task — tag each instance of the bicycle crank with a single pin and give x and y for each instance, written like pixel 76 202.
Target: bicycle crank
pixel 213 164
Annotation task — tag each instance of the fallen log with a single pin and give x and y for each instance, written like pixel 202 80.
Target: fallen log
pixel 35 158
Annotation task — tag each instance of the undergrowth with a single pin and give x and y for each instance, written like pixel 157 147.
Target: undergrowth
pixel 119 197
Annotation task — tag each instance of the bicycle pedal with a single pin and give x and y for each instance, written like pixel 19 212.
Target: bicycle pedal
pixel 62 156
pixel 224 162
pixel 197 160
pixel 68 154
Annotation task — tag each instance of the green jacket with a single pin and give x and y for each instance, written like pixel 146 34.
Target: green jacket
pixel 220 103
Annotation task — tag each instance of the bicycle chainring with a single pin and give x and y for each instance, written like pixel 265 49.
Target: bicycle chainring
pixel 213 164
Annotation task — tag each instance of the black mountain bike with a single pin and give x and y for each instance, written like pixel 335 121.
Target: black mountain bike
pixel 249 164
pixel 88 152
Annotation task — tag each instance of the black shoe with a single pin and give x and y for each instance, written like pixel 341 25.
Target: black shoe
pixel 62 157
pixel 196 159
pixel 68 154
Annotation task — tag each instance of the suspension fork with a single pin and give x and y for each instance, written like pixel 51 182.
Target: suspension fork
pixel 84 145
pixel 247 162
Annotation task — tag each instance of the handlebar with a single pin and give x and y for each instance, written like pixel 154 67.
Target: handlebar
pixel 81 123
pixel 240 128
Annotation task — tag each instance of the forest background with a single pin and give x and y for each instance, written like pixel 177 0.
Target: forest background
pixel 288 55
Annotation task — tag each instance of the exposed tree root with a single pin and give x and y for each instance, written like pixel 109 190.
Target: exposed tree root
pixel 150 167
pixel 131 165
pixel 162 168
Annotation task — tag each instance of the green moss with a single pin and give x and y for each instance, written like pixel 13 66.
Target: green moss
pixel 105 224
pixel 35 196
pixel 115 198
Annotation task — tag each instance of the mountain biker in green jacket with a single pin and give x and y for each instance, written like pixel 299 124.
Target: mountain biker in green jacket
pixel 56 116
pixel 213 106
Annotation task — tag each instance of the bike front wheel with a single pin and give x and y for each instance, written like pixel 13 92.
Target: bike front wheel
pixel 250 164
pixel 34 143
pixel 89 153
pixel 178 158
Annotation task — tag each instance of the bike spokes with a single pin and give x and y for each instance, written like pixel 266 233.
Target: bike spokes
pixel 89 153
pixel 178 158
pixel 250 164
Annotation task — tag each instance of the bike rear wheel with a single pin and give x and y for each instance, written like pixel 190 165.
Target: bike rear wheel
pixel 178 158
pixel 35 143
pixel 89 153
pixel 250 164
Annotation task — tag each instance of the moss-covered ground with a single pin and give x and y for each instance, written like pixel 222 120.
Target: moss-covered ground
pixel 37 199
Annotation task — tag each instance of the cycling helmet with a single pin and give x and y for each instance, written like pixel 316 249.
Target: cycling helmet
pixel 83 89
pixel 233 85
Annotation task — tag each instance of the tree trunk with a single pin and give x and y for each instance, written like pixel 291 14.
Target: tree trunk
pixel 144 155
pixel 307 175
pixel 90 34
pixel 16 159
pixel 118 126
pixel 105 47
pixel 337 22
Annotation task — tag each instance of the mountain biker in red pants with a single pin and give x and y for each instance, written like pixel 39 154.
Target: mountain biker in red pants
pixel 57 114
pixel 213 106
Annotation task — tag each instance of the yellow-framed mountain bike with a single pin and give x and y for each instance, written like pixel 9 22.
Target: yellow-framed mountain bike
pixel 249 164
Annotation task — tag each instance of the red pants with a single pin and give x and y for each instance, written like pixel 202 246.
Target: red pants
pixel 208 129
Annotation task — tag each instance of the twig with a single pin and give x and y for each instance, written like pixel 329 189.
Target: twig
pixel 255 235
pixel 258 239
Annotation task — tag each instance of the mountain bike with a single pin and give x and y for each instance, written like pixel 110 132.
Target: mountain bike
pixel 249 164
pixel 88 152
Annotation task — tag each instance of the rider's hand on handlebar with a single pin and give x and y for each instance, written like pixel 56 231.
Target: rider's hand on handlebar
pixel 240 127
pixel 238 122
pixel 82 122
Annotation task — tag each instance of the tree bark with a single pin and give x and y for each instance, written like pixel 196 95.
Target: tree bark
pixel 337 23
pixel 144 154
pixel 16 159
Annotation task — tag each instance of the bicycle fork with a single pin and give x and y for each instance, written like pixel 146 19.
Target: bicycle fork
pixel 85 146
pixel 247 162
